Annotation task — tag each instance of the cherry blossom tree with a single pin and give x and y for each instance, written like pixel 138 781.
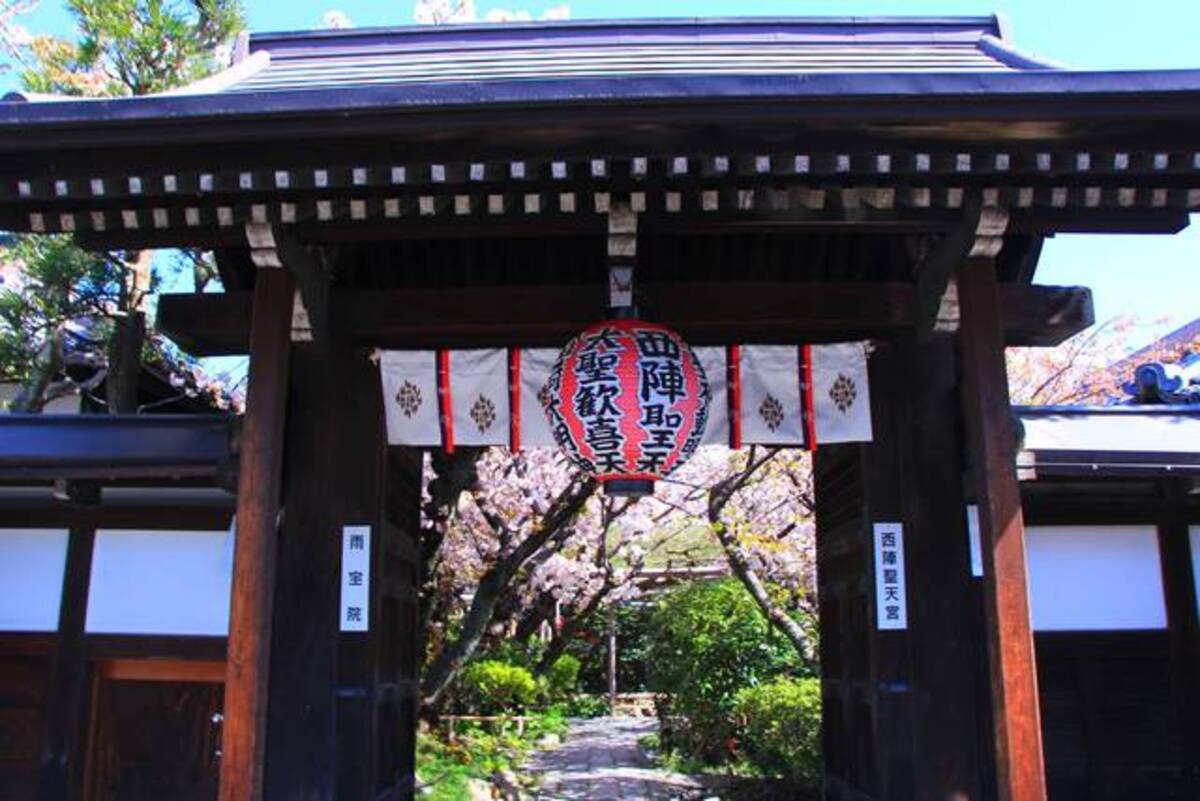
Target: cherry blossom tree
pixel 1089 368
pixel 513 541
pixel 14 38
pixel 518 506
pixel 758 505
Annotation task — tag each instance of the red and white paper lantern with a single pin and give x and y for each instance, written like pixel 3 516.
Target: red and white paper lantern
pixel 628 402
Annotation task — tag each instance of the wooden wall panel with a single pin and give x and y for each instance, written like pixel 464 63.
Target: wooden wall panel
pixel 1108 716
pixel 154 740
pixel 22 709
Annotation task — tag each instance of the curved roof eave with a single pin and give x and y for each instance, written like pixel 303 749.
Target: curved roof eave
pixel 850 95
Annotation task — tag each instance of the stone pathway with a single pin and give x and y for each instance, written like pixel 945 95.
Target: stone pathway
pixel 600 761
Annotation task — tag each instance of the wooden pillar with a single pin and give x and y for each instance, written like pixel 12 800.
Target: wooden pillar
pixel 944 642
pixel 1020 768
pixel 399 665
pixel 66 698
pixel 1183 628
pixel 249 648
pixel 901 711
pixel 334 699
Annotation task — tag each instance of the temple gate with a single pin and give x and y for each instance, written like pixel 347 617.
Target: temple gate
pixel 361 194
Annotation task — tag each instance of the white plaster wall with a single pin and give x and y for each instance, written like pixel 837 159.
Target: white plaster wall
pixel 32 562
pixel 160 582
pixel 1095 578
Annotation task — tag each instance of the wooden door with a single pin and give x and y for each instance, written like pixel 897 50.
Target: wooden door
pixel 155 732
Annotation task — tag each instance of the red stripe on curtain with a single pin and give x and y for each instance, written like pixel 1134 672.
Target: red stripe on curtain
pixel 810 429
pixel 735 396
pixel 443 360
pixel 514 398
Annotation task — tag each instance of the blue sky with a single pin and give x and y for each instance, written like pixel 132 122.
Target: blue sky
pixel 1151 277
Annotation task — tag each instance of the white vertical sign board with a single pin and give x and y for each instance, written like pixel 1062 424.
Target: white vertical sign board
pixel 356 578
pixel 974 541
pixel 891 598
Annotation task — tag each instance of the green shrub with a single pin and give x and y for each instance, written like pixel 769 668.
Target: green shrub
pixel 590 645
pixel 781 728
pixel 479 751
pixel 707 642
pixel 584 705
pixel 526 653
pixel 561 678
pixel 493 687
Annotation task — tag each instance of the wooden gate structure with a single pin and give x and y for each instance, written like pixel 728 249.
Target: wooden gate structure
pixel 795 180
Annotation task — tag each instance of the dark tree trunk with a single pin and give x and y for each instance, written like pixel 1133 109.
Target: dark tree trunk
pixel 452 474
pixel 129 335
pixel 125 363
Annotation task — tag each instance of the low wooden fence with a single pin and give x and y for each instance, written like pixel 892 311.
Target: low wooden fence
pixel 451 720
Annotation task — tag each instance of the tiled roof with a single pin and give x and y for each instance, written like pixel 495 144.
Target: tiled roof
pixel 1096 441
pixel 372 57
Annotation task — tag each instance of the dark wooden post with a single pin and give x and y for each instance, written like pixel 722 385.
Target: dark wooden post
pixel 901 707
pixel 1020 768
pixel 249 649
pixel 341 719
pixel 1179 589
pixel 66 699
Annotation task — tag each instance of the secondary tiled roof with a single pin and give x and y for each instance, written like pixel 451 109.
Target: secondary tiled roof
pixel 369 57
pixel 1083 441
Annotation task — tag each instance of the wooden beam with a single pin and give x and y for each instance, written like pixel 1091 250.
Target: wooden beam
pixel 547 316
pixel 42 447
pixel 63 746
pixel 272 246
pixel 190 670
pixel 249 647
pixel 1020 767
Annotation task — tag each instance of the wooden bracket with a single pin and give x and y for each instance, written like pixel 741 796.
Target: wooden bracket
pixel 981 233
pixel 272 247
pixel 622 253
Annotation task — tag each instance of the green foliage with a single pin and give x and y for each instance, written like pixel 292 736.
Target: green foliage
pixel 633 642
pixel 479 750
pixel 492 686
pixel 120 47
pixel 781 728
pixel 561 679
pixel 584 705
pixel 134 47
pixel 525 653
pixel 708 642
pixel 55 283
